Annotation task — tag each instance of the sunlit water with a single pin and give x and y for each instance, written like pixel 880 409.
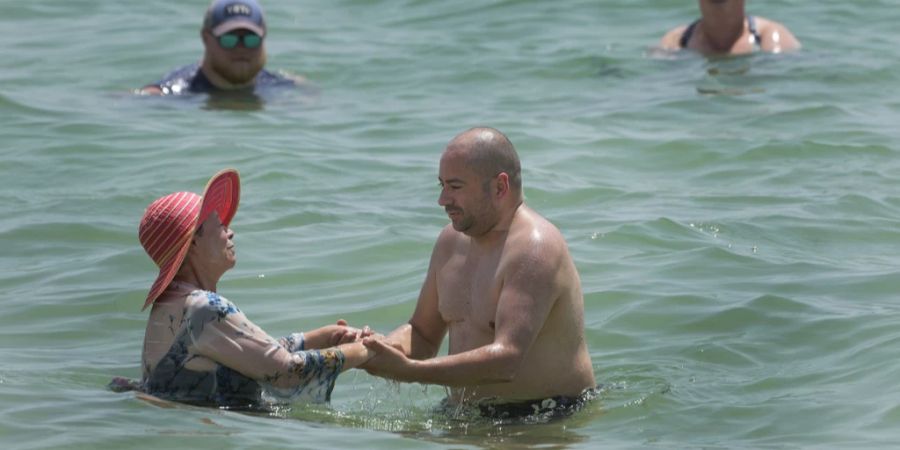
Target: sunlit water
pixel 734 221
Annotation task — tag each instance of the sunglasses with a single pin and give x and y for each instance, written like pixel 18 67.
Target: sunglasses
pixel 230 40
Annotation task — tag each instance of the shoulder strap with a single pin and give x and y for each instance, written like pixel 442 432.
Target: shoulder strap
pixel 751 26
pixel 686 36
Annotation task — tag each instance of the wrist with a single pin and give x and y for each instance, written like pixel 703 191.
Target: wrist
pixel 320 337
pixel 412 371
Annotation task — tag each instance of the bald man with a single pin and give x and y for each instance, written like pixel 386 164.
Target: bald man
pixel 502 283
pixel 724 28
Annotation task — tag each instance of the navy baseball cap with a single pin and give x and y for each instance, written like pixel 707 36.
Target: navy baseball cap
pixel 229 15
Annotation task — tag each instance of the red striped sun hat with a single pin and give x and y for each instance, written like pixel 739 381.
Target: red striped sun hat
pixel 169 224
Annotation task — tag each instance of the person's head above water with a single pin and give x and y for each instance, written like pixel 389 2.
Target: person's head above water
pixel 223 16
pixel 489 153
pixel 724 28
pixel 481 180
pixel 233 36
pixel 175 224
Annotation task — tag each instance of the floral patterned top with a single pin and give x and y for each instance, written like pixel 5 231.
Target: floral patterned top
pixel 205 351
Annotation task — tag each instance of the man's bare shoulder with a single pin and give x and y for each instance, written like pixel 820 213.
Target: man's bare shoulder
pixel 537 239
pixel 532 219
pixel 672 39
pixel 536 259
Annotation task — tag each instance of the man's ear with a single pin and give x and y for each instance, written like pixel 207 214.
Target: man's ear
pixel 502 187
pixel 207 37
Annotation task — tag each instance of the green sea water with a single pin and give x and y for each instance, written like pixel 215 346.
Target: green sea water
pixel 734 221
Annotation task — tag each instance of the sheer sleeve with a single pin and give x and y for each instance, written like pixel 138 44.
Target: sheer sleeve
pixel 221 332
pixel 293 342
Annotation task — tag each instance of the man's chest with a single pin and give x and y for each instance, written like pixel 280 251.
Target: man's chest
pixel 468 289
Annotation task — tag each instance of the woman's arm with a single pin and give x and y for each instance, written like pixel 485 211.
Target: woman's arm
pixel 222 333
pixel 331 335
pixel 355 354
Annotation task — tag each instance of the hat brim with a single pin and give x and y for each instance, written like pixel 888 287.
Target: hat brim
pixel 221 195
pixel 238 24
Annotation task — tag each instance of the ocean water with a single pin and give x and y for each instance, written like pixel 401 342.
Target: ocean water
pixel 736 222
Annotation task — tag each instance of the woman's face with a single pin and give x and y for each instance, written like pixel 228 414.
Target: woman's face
pixel 213 246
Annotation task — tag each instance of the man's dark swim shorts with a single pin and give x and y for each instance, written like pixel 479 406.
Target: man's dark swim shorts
pixel 551 408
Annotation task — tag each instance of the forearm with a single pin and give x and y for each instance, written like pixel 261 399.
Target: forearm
pixel 355 355
pixel 320 337
pixel 411 342
pixel 485 365
pixel 401 338
pixel 302 366
pixel 272 363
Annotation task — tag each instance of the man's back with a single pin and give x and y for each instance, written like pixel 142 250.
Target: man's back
pixel 522 281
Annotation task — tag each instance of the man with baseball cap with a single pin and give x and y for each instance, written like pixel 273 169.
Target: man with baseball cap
pixel 233 34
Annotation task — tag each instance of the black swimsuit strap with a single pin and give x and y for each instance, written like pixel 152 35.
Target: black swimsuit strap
pixel 686 36
pixel 751 26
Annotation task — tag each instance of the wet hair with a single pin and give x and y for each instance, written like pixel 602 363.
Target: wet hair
pixel 491 152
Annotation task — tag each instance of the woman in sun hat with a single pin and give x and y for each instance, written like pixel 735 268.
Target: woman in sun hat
pixel 199 348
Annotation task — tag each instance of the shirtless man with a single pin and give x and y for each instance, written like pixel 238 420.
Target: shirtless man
pixel 501 280
pixel 725 29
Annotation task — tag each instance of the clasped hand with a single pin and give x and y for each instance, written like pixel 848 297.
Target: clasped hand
pixel 345 334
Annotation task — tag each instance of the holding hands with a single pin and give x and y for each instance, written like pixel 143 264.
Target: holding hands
pixel 342 333
pixel 336 335
pixel 364 348
pixel 389 360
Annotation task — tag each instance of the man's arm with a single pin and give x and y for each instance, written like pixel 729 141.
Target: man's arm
pixel 421 337
pixel 529 292
pixel 150 89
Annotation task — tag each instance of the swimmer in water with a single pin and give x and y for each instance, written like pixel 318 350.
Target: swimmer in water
pixel 502 283
pixel 199 348
pixel 234 34
pixel 725 29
